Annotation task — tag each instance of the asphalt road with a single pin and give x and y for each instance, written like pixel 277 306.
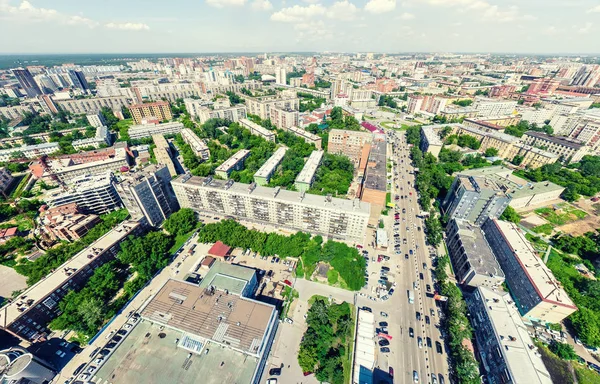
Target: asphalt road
pixel 405 355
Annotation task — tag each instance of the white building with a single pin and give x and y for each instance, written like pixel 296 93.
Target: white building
pixel 101 138
pixel 258 130
pixel 28 151
pixel 280 76
pixel 96 120
pixel 148 130
pixel 198 146
pixel 493 108
pixel 93 194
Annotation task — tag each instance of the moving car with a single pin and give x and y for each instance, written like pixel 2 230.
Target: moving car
pixel 420 342
pixel 411 332
pixel 384 350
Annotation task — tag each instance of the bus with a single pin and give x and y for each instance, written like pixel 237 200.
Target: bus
pixel 411 297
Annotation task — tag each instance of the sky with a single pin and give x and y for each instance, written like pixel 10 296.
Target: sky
pixel 392 26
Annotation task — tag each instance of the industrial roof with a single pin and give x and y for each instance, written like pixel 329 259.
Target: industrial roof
pixel 364 350
pixel 480 255
pixel 376 175
pixel 228 319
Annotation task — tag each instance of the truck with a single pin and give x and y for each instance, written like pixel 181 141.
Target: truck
pixel 411 297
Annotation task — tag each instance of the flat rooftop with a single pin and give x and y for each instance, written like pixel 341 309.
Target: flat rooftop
pixel 556 140
pixel 269 166
pixel 291 197
pixel 310 167
pixel 253 127
pixel 496 135
pixel 227 276
pixel 376 175
pixel 46 286
pixel 233 160
pixel 477 249
pixel 431 135
pixel 524 365
pixel 476 183
pixel 538 273
pixel 304 133
pixel 145 357
pixel 149 128
pixel 193 140
pixel 227 319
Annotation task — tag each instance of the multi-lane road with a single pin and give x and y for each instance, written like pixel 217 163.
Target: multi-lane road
pixel 411 270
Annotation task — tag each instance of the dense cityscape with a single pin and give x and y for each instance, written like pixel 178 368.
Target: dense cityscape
pixel 311 217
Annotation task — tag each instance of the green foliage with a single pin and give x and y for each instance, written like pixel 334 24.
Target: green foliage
pixel 465 141
pixel 346 260
pixel 463 103
pixel 233 98
pixel 146 254
pixel 333 176
pixel 491 152
pixel 309 102
pixel 326 345
pixel 511 215
pixel 564 351
pixel 387 101
pixel 339 121
pixel 54 257
pixel 433 229
pixel 517 160
pixel 181 222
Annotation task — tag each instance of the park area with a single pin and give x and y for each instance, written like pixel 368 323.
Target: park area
pixel 326 347
pixel 315 255
pixel 561 214
pixel 562 217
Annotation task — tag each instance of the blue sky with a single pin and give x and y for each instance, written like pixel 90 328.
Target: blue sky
pixel 137 26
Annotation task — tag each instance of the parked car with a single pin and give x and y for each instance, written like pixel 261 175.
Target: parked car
pixel 384 350
pixel 438 347
pixel 411 332
pixel 383 314
pixel 420 342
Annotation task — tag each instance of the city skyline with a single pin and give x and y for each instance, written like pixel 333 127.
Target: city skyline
pixel 302 26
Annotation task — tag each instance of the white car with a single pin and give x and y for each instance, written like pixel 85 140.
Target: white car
pixel 289 321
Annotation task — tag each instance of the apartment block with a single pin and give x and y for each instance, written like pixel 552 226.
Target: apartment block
pixel 431 141
pixel 348 143
pixel 568 150
pixel 70 227
pixel 324 215
pixel 28 151
pixel 148 130
pixel 307 136
pixel 148 195
pixel 28 315
pixel 505 349
pixel 93 104
pixel 102 137
pixel 374 186
pixel 6 179
pixel 258 130
pixel 263 175
pixel 198 146
pixel 473 261
pixel 307 175
pixel 16 111
pixel 486 107
pixel 536 292
pixel 92 194
pixel 587 131
pixel 64 169
pixel 474 199
pixel 524 194
pixel 160 110
pixel 261 106
pixel 96 120
pixel 234 163
pixel 284 117
pixel 162 153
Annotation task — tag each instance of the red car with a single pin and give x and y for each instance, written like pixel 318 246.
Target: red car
pixel 358 246
pixel 391 371
pixel 410 193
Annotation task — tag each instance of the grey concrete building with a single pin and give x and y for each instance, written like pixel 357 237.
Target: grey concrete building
pixel 93 194
pixel 148 194
pixel 506 351
pixel 475 199
pixel 472 258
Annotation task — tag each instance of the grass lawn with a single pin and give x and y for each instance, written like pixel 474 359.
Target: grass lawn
pixel 585 375
pixel 562 216
pixel 347 363
pixel 179 241
pixel 18 185
pixel 545 229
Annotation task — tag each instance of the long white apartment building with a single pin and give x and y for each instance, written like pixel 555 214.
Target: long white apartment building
pixel 324 215
pixel 28 151
pixel 198 146
pixel 264 173
pixel 205 110
pixel 492 107
pixel 148 130
pixel 93 194
pixel 15 111
pixel 261 106
pixel 258 130
pixel 307 136
pixel 234 163
pixel 93 104
pixel 307 175
pixel 102 137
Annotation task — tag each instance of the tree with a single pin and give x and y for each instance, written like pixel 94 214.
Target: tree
pixel 181 222
pixel 434 230
pixel 491 152
pixel 511 215
pixel 562 350
pixel 517 160
pixel 570 193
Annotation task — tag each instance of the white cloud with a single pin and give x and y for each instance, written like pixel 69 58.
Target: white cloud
pixel 76 20
pixel 298 13
pixel 262 5
pixel 405 16
pixel 380 6
pixel 587 27
pixel 225 3
pixel 311 1
pixel 551 31
pixel 595 9
pixel 127 26
pixel 342 10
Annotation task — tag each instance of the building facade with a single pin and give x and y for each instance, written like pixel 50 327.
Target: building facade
pixel 537 294
pixel 348 143
pixel 160 110
pixel 198 146
pixel 324 215
pixel 308 173
pixel 258 130
pixel 263 175
pixel 234 163
pixel 148 130
pixel 93 194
